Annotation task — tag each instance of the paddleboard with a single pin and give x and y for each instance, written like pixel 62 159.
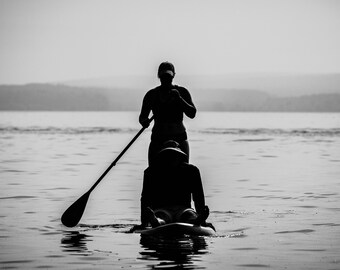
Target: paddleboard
pixel 178 228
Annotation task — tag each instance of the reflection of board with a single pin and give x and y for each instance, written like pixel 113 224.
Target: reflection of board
pixel 178 229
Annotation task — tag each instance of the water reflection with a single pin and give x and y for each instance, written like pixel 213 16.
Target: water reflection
pixel 74 241
pixel 173 253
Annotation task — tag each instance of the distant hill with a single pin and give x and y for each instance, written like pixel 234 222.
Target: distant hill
pixel 280 85
pixel 50 97
pixel 58 97
pixel 259 101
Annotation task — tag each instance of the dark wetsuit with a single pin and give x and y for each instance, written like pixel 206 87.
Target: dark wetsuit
pixel 168 117
pixel 172 188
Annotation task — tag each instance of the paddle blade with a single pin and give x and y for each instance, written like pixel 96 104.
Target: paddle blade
pixel 73 214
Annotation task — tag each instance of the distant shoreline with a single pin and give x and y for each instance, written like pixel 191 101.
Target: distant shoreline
pixel 50 97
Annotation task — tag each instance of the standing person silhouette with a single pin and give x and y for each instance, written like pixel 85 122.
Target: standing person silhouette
pixel 168 103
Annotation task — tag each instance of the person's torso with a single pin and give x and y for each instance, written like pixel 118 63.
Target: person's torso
pixel 168 113
pixel 165 108
pixel 172 187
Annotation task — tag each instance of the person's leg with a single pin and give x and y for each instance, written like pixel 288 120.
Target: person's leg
pixel 154 148
pixel 184 146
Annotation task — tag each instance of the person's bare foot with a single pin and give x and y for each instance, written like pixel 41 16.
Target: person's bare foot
pixel 202 216
pixel 152 217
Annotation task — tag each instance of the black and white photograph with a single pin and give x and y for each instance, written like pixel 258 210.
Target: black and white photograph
pixel 183 134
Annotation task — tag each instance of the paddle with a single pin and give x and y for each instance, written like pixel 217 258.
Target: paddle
pixel 73 214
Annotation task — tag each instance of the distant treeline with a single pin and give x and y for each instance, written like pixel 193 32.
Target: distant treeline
pixel 50 97
pixel 258 101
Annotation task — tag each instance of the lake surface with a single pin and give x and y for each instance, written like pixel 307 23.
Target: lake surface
pixel 271 180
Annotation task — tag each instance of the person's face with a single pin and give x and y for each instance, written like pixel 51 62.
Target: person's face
pixel 166 79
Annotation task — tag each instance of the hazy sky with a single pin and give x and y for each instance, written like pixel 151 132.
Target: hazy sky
pixel 57 40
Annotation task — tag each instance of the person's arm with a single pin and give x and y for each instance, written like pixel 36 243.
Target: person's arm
pixel 145 111
pixel 198 193
pixel 182 95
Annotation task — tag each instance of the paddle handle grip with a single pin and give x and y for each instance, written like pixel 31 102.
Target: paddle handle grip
pixel 119 156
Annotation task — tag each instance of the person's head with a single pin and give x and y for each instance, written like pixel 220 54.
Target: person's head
pixel 171 154
pixel 166 73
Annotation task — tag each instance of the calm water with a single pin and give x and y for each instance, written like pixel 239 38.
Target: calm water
pixel 272 182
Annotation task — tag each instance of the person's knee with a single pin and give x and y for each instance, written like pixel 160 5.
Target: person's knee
pixel 154 148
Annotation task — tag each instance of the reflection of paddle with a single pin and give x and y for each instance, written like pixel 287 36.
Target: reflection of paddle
pixel 73 214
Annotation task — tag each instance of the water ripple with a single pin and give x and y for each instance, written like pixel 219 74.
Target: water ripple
pixel 327 224
pixel 297 231
pixel 62 130
pixel 305 132
pixel 17 197
pixel 254 265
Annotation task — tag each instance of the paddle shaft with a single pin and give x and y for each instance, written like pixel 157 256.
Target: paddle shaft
pixel 73 214
pixel 119 156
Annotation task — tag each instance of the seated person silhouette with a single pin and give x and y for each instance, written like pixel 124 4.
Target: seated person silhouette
pixel 169 185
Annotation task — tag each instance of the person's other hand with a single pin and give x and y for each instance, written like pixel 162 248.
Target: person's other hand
pixel 145 123
pixel 175 95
